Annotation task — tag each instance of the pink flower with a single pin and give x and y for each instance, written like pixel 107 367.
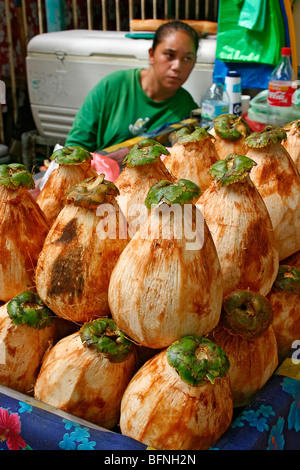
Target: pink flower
pixel 10 427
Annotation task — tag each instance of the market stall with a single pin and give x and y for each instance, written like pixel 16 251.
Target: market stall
pixel 269 422
pixel 177 330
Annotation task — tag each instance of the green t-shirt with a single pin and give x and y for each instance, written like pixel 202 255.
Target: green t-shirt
pixel 117 109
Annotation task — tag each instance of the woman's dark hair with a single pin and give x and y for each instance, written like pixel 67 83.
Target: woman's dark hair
pixel 166 28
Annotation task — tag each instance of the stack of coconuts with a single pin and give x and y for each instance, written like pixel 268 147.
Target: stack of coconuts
pixel 158 303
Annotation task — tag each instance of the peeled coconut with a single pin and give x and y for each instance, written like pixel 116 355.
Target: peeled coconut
pixel 167 282
pixel 80 251
pixel 292 142
pixel 192 156
pixel 246 335
pixel 23 229
pixel 230 132
pixel 86 373
pixel 74 166
pixel 181 398
pixel 293 260
pixel 27 330
pixel 278 181
pixel 143 168
pixel 285 301
pixel 240 226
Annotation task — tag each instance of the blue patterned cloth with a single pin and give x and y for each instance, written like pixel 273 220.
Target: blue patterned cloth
pixel 271 421
pixel 26 424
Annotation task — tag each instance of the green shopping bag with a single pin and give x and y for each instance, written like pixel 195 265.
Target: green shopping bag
pixel 253 15
pixel 250 31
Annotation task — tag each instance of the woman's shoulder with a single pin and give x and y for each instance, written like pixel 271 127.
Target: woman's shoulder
pixel 119 77
pixel 182 98
pixel 184 92
pixel 113 83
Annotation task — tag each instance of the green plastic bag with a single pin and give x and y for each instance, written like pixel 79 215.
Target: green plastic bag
pixel 250 31
pixel 253 15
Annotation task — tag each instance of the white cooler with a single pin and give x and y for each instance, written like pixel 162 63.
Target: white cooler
pixel 63 66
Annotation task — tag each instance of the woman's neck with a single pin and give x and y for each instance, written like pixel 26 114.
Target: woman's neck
pixel 152 88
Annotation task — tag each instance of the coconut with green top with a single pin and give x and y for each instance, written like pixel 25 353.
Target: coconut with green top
pixel 285 301
pixel 23 229
pixel 245 333
pixel 171 269
pixel 144 167
pixel 27 330
pixel 80 251
pixel 278 182
pixel 240 226
pixel 86 373
pixel 292 141
pixel 73 165
pixel 181 398
pixel 230 132
pixel 192 155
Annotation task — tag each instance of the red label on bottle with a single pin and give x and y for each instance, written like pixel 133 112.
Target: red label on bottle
pixel 280 95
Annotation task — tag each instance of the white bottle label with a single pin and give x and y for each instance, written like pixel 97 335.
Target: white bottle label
pixel 235 108
pixel 212 110
pixel 233 87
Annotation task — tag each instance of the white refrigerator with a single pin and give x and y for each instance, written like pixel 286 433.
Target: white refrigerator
pixel 63 66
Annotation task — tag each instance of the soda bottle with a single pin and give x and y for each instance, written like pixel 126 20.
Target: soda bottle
pixel 280 91
pixel 214 103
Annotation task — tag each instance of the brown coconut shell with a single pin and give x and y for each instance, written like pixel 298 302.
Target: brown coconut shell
pixel 225 147
pixel 278 182
pixel 285 303
pixel 162 287
pixel 293 260
pixel 134 183
pixel 23 229
pixel 292 142
pixel 52 197
pixel 80 381
pixel 163 412
pixel 243 234
pixel 192 161
pixel 252 362
pixel 75 264
pixel 21 351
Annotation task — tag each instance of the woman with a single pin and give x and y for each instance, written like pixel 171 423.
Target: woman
pixel 133 102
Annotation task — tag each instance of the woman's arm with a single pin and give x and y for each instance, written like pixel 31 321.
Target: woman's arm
pixel 84 132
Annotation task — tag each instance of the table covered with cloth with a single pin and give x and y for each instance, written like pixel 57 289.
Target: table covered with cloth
pixel 271 421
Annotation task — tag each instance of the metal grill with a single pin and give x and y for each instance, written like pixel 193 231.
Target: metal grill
pixel 158 9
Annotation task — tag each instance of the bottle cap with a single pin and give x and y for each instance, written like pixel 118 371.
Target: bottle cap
pixel 233 73
pixel 285 51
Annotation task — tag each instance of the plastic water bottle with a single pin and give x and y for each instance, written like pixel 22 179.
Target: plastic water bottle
pixel 280 91
pixel 233 87
pixel 214 103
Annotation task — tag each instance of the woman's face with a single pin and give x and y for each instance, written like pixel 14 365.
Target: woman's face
pixel 173 60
